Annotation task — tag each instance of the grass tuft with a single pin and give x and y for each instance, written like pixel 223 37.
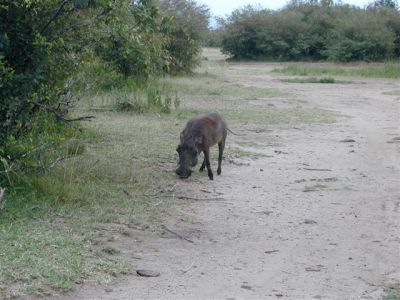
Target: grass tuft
pixel 111 250
pixel 312 80
pixel 387 70
pixel 392 292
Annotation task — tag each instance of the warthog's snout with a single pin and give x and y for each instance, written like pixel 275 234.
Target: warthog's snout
pixel 182 173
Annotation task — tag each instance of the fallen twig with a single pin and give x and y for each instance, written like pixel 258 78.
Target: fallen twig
pixel 270 251
pixel 84 118
pixel 199 199
pixel 59 159
pixel 347 141
pixel 313 270
pixel 178 235
pixel 160 196
pixel 61 117
pixel 174 196
pixel 311 169
pixel 317 268
pixel 171 189
pixel 187 270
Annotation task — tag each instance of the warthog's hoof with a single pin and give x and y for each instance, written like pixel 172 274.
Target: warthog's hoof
pixel 219 172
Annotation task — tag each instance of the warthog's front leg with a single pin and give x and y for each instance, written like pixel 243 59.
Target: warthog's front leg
pixel 207 159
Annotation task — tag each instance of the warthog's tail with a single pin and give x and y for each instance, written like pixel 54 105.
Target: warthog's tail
pixel 234 132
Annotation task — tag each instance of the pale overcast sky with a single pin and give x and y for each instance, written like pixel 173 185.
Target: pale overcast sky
pixel 222 8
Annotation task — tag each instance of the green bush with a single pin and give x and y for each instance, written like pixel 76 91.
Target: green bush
pixel 359 36
pixel 313 30
pixel 135 39
pixel 149 38
pixel 189 24
pixel 45 46
pixel 34 64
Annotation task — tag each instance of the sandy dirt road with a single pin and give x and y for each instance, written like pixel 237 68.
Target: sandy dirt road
pixel 318 218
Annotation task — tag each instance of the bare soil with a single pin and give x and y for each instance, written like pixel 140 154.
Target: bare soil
pixel 317 217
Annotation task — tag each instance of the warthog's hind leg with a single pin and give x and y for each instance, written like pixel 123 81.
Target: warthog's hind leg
pixel 203 165
pixel 221 147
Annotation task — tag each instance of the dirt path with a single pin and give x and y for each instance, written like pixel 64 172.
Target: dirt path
pixel 318 219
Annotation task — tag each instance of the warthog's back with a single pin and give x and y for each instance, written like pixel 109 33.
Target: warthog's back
pixel 211 127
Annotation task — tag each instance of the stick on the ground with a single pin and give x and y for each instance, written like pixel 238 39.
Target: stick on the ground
pixel 187 269
pixel 178 235
pixel 311 169
pixel 205 191
pixel 178 197
pixel 199 199
pixel 234 133
pixel 61 117
pixel 171 189
pixel 271 251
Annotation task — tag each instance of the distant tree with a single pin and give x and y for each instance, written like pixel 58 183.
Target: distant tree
pixel 317 30
pixel 188 29
pixel 385 3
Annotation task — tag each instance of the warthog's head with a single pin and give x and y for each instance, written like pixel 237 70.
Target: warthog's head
pixel 187 159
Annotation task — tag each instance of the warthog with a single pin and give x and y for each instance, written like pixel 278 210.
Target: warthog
pixel 199 135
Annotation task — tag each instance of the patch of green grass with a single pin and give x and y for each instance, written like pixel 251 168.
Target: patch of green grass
pixel 206 88
pixel 314 188
pixel 125 232
pixel 388 70
pixel 39 253
pixel 240 153
pixel 104 184
pixel 111 250
pixel 392 292
pixel 49 256
pixel 213 54
pixel 270 115
pixel 153 97
pixel 313 80
pixel 239 103
pixel 393 93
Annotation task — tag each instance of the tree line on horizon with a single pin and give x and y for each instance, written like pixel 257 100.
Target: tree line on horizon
pixel 315 30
